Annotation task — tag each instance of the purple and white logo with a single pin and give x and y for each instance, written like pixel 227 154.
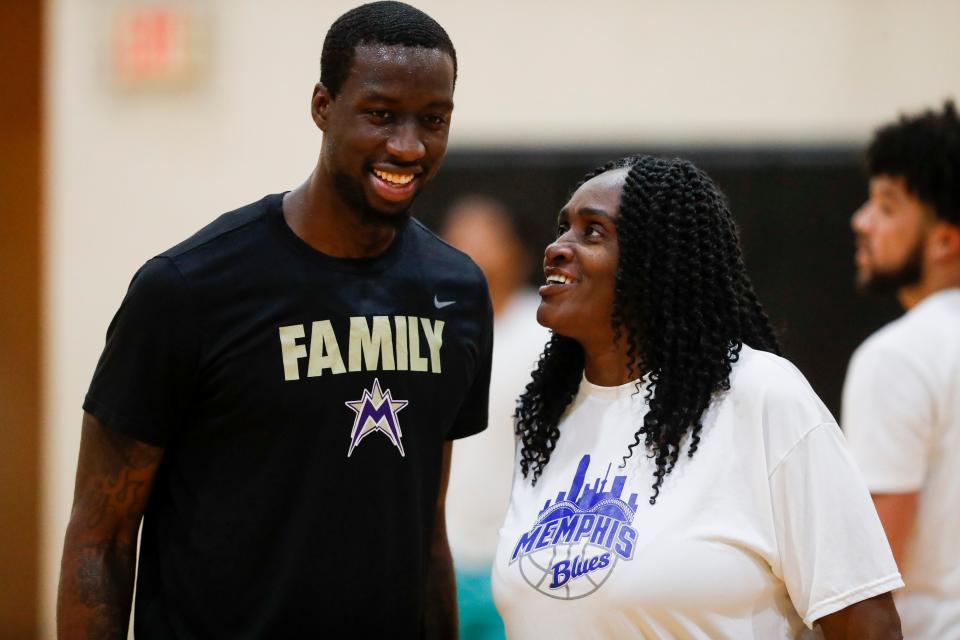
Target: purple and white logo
pixel 577 539
pixel 376 411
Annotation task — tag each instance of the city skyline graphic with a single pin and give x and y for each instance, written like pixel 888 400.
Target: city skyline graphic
pixel 591 498
pixel 579 536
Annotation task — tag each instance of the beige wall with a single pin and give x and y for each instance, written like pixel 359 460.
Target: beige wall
pixel 131 174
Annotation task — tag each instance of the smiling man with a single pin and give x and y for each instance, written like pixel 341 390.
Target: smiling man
pixel 278 393
pixel 901 399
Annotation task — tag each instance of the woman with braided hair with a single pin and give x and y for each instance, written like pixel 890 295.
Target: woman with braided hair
pixel 677 478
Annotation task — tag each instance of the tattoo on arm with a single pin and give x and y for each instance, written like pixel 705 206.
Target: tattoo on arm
pixel 104 585
pixel 111 496
pixel 114 476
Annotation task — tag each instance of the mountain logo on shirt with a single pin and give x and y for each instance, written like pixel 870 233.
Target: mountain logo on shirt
pixel 577 540
pixel 376 411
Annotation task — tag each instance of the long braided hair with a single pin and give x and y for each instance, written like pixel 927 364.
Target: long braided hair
pixel 683 302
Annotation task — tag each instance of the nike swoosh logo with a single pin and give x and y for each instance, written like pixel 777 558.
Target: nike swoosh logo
pixel 441 305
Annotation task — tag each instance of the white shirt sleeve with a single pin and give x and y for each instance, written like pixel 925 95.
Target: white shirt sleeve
pixel 887 419
pixel 832 548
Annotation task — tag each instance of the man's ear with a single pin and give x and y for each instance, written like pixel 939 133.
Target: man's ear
pixel 946 242
pixel 320 106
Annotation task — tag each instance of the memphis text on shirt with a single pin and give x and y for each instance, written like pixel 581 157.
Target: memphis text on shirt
pixel 375 343
pixel 598 530
pixel 589 515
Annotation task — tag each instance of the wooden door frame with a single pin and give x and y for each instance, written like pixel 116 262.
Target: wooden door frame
pixel 21 207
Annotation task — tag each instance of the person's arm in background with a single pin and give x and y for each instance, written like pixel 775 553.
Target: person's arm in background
pixel 897 513
pixel 871 619
pixel 441 620
pixel 115 474
pixel 888 421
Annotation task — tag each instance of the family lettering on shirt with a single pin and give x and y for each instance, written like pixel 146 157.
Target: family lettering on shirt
pixel 375 343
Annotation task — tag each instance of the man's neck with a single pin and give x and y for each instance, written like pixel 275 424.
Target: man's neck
pixel 912 295
pixel 321 219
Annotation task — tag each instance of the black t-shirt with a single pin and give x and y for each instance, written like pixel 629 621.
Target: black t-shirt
pixel 303 402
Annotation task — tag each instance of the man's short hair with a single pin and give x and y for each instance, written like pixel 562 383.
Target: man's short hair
pixel 924 149
pixel 384 23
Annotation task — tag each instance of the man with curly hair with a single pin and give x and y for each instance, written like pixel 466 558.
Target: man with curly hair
pixel 901 399
pixel 278 394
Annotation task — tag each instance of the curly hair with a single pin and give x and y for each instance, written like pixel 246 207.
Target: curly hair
pixel 924 150
pixel 682 301
pixel 386 23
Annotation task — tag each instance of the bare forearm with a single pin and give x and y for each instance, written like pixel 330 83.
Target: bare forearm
pixel 873 619
pixel 897 513
pixel 114 478
pixel 96 590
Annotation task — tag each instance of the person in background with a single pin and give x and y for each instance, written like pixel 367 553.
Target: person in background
pixel 677 478
pixel 278 394
pixel 482 466
pixel 901 398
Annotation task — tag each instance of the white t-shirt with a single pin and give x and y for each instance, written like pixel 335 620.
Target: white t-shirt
pixel 901 415
pixel 767 528
pixel 481 468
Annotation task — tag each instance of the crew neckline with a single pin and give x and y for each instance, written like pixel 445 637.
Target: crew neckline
pixel 373 264
pixel 626 389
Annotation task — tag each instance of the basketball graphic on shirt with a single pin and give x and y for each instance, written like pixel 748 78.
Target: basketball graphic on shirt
pixel 578 539
pixel 539 568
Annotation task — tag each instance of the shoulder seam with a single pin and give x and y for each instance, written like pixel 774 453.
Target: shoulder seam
pixel 796 444
pixel 222 234
pixel 778 361
pixel 435 238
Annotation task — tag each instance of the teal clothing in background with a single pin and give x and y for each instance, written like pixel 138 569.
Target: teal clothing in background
pixel 479 619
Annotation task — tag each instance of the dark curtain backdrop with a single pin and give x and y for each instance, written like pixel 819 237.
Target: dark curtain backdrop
pixel 793 207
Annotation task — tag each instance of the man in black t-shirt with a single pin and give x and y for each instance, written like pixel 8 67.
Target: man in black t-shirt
pixel 278 393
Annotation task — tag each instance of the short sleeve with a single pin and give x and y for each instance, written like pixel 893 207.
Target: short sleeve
pixel 143 381
pixel 473 414
pixel 887 419
pixel 833 551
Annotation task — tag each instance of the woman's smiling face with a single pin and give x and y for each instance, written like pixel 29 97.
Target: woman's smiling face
pixel 580 266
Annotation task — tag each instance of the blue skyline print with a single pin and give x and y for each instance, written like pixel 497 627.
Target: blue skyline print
pixel 579 536
pixel 593 499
